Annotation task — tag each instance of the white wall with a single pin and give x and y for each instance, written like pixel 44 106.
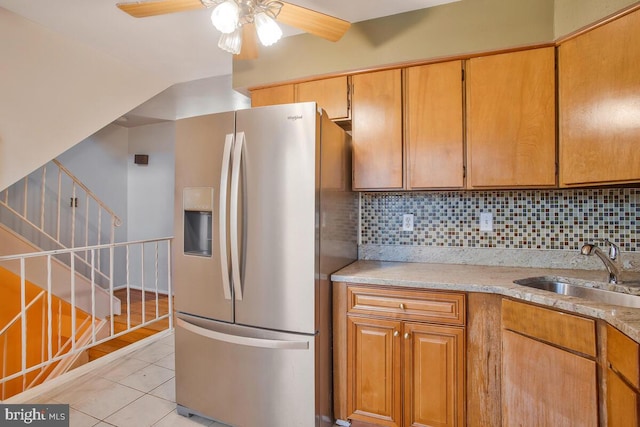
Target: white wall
pixel 150 187
pixel 150 200
pixel 55 92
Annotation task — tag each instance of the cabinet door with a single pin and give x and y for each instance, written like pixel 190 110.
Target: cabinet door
pixel 433 375
pixel 543 385
pixel 623 403
pixel 511 119
pixel 330 94
pixel 272 96
pixel 433 120
pixel 598 100
pixel 377 130
pixel 373 366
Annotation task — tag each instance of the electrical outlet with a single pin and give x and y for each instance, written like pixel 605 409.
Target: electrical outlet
pixel 486 221
pixel 407 222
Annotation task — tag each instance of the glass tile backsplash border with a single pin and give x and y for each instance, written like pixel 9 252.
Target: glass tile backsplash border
pixel 527 219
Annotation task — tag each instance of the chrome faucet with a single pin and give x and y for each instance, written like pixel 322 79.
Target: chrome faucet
pixel 609 259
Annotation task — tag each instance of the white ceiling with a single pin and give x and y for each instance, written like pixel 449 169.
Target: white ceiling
pixel 180 48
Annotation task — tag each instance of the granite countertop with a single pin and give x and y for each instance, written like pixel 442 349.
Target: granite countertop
pixel 496 280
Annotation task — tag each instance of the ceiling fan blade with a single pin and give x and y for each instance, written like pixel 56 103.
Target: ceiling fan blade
pixel 161 7
pixel 316 23
pixel 249 48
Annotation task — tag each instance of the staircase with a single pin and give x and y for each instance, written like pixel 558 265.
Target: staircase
pixel 60 271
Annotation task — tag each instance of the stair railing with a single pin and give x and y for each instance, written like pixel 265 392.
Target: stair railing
pixel 145 273
pixel 20 202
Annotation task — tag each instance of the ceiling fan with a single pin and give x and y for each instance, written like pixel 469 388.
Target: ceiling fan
pixel 242 22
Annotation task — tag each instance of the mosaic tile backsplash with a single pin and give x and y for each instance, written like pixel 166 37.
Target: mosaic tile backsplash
pixel 527 219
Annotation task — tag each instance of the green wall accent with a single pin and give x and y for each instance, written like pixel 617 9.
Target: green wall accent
pixel 571 15
pixel 462 27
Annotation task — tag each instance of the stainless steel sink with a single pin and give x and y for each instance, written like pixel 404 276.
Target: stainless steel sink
pixel 594 294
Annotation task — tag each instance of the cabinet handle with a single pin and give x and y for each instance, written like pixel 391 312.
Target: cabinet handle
pixel 401 306
pixel 407 335
pixel 396 333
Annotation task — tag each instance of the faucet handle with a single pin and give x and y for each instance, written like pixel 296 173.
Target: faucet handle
pixel 614 250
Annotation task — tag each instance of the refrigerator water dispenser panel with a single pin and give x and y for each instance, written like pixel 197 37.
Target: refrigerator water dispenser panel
pixel 198 220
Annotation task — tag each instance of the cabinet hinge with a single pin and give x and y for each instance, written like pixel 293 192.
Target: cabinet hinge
pixel 464 172
pixel 462 74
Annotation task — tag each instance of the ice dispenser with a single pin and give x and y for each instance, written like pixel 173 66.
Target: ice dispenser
pixel 197 206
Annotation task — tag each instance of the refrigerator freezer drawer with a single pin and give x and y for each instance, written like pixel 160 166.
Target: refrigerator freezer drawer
pixel 245 377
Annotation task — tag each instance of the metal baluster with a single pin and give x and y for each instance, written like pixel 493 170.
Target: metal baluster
pixel 59 203
pixel 93 296
pixel 169 285
pixel 99 235
pixel 142 279
pixel 73 302
pixel 23 320
pixel 128 288
pixel 156 277
pixel 49 311
pixel 86 227
pixel 59 325
pixel 111 261
pixel 73 217
pixel 42 196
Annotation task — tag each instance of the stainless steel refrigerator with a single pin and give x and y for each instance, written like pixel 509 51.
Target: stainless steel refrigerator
pixel 264 214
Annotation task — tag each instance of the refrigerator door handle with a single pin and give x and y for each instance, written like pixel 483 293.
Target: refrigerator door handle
pixel 233 223
pixel 240 340
pixel 222 219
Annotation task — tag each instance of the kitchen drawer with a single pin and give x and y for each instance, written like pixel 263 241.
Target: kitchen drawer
pixel 424 306
pixel 623 354
pixel 571 332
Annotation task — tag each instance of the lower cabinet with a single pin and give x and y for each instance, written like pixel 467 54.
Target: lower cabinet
pixel 374 372
pixel 433 375
pixel 623 380
pixel 549 367
pixel 405 357
pixel 623 402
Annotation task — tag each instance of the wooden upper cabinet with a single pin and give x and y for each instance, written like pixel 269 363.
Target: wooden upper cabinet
pixel 377 130
pixel 274 95
pixel 434 126
pixel 331 94
pixel 599 105
pixel 511 134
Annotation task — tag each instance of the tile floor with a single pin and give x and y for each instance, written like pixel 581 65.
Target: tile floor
pixel 137 390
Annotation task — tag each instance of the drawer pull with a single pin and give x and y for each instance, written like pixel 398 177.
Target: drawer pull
pixel 402 306
pixel 407 335
pixel 396 333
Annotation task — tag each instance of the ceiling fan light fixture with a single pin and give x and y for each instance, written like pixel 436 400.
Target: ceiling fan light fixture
pixel 231 42
pixel 268 30
pixel 225 17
